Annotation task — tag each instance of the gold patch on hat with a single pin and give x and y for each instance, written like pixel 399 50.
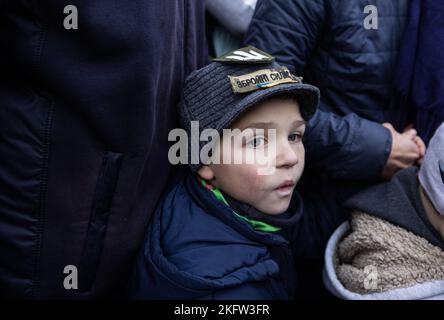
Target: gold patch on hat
pixel 262 79
pixel 247 55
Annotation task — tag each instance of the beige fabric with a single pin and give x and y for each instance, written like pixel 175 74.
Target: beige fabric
pixel 378 256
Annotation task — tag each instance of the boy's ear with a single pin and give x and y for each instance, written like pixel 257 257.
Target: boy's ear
pixel 206 173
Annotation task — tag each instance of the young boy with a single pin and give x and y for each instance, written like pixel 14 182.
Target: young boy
pixel 225 232
pixel 394 246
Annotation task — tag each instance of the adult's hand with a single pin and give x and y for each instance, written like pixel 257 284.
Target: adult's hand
pixel 405 151
pixel 421 145
pixel 422 149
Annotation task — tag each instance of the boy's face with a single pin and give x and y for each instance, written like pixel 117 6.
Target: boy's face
pixel 284 154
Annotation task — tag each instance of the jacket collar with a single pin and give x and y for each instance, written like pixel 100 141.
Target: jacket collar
pixel 207 200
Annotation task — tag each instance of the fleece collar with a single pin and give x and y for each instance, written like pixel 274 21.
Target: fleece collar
pixel 399 202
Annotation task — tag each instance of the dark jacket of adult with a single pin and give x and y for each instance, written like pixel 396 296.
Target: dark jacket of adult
pixel 84 120
pixel 419 81
pixel 330 44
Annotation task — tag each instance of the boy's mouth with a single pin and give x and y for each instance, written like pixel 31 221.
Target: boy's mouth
pixel 285 188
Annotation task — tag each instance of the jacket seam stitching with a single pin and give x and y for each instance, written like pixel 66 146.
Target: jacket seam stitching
pixel 44 167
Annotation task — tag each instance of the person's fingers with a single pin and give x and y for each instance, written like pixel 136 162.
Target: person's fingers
pixel 408 159
pixel 410 145
pixel 412 134
pixel 421 146
pixel 422 150
pixel 405 151
pixel 388 126
pixel 409 153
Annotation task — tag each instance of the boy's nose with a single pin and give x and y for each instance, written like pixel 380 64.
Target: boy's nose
pixel 286 156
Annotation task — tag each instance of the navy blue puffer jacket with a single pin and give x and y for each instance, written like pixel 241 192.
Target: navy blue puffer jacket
pixel 196 248
pixel 327 43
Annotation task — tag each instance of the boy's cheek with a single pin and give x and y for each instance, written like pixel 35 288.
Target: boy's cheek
pixel 253 180
pixel 300 151
pixel 301 155
pixel 260 159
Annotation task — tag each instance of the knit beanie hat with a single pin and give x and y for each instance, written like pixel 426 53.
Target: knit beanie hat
pixel 222 91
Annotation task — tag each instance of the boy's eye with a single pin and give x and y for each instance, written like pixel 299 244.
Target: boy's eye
pixel 256 142
pixel 295 137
